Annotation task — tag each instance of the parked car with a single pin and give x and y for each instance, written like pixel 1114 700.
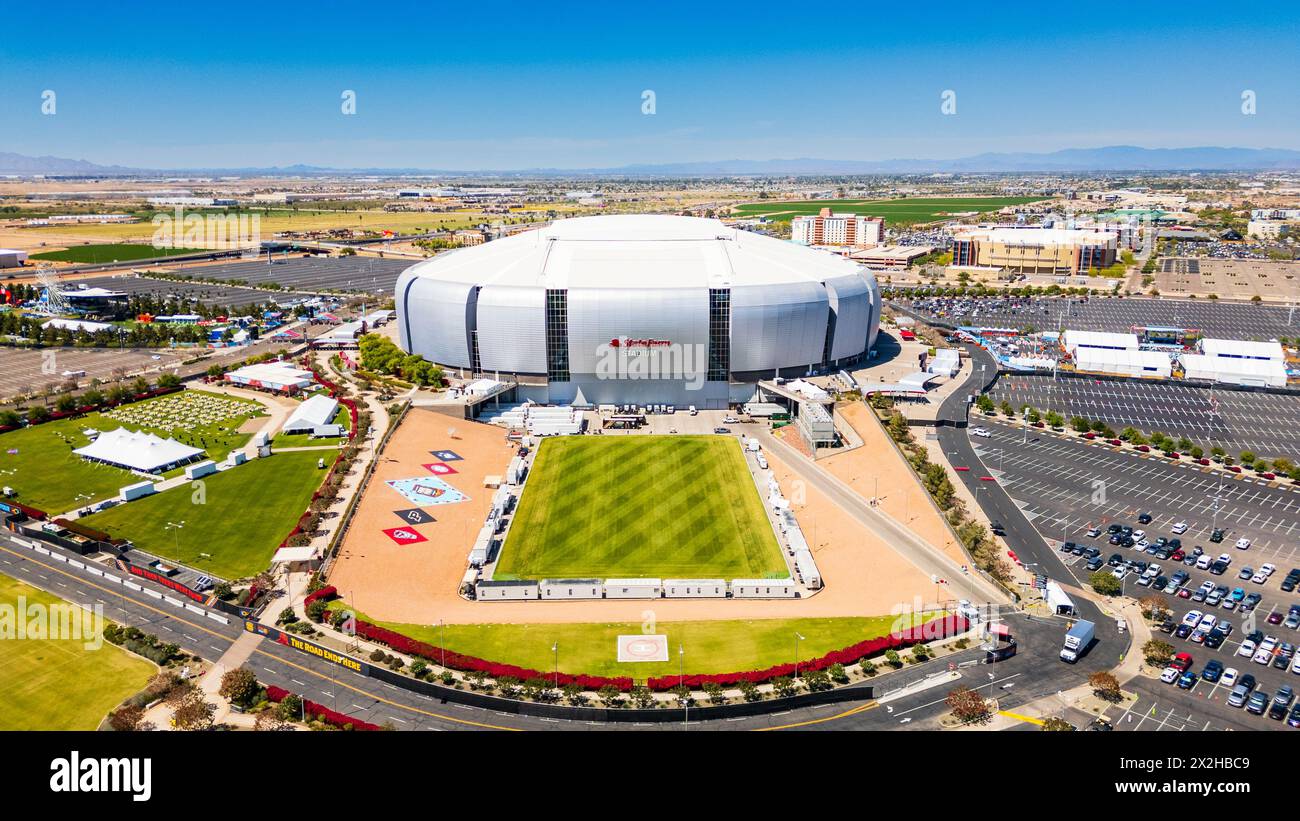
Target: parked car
pixel 1179 528
pixel 1217 535
pixel 1213 670
pixel 1258 702
pixel 1170 675
pixel 1243 543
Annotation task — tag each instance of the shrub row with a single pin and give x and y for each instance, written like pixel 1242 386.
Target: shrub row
pixel 936 629
pixel 464 663
pixel 930 631
pixel 323 713
pixel 325 593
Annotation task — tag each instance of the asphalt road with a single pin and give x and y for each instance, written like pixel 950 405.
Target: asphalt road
pixel 1033 673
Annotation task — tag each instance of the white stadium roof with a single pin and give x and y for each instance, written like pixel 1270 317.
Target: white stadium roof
pixel 636 251
pixel 137 450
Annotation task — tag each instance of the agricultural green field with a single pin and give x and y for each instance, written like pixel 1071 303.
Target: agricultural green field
pixel 48 475
pixel 908 211
pixel 641 506
pixel 242 516
pixel 116 252
pixel 61 684
pixel 709 646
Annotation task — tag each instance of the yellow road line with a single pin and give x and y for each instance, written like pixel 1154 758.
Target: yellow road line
pixel 307 670
pixel 861 708
pixel 1019 717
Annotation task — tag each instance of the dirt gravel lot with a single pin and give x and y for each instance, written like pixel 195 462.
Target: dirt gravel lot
pixel 416 584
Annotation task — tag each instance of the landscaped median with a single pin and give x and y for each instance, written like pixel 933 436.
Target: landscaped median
pixel 889 643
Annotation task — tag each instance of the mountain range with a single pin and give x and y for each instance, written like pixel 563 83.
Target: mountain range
pixel 1116 158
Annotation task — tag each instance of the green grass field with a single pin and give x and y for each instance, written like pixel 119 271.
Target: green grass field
pixel 116 252
pixel 909 211
pixel 47 475
pixel 61 684
pixel 247 512
pixel 710 646
pixel 640 506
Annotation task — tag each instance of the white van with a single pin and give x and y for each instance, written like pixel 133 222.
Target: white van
pixel 693 411
pixel 1203 563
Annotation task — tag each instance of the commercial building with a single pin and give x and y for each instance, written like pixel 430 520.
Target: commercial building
pixel 638 309
pixel 1035 250
pixel 12 258
pixel 827 228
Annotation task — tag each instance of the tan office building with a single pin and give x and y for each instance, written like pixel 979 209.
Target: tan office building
pixel 1035 250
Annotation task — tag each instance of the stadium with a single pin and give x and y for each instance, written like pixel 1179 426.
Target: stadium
pixel 638 309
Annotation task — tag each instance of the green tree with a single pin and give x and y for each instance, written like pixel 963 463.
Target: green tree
pixel 1105 583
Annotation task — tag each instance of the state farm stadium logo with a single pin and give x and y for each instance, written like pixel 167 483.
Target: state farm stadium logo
pixel 644 358
pixel 628 342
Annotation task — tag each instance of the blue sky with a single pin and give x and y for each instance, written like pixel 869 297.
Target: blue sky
pixel 505 85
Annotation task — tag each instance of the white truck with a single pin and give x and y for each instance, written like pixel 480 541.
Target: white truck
pixel 1077 640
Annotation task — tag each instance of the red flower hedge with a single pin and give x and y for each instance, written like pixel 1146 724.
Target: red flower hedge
pixel 323 713
pixel 459 661
pixel 930 631
pixel 325 593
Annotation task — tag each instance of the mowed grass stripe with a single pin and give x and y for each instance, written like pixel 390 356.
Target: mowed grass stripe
pixel 61 684
pixel 642 506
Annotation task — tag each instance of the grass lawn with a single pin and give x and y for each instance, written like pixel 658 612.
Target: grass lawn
pixel 711 646
pixel 61 685
pixel 908 211
pixel 47 475
pixel 248 510
pixel 117 252
pixel 678 507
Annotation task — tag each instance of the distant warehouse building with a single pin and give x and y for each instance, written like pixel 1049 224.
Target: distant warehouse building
pixel 11 258
pixel 1035 250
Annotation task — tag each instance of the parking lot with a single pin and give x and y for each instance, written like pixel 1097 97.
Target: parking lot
pixel 368 274
pixel 1214 318
pixel 1268 424
pixel 22 371
pixel 1068 484
pixel 206 293
pixel 1066 487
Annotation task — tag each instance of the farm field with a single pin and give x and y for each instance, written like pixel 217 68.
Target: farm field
pixel 710 646
pixel 244 514
pixel 908 211
pixel 39 464
pixel 114 252
pixel 641 506
pixel 269 223
pixel 61 684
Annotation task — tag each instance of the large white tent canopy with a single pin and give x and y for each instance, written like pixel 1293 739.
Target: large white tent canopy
pixel 138 450
pixel 311 414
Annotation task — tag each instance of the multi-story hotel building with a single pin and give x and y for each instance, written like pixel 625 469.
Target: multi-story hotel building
pixel 828 228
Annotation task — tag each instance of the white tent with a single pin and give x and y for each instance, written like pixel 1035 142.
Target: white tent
pixel 1232 371
pixel 311 414
pixel 138 451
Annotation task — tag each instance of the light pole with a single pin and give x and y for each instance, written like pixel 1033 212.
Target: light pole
pixel 175 527
pixel 798 637
pixel 555 648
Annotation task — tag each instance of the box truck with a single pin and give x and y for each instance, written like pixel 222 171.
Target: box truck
pixel 1077 640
